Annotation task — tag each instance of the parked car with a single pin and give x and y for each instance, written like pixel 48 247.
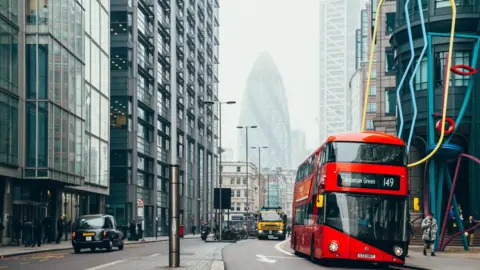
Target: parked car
pixel 97 231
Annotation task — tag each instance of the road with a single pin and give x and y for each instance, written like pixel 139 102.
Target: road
pixel 141 256
pixel 262 255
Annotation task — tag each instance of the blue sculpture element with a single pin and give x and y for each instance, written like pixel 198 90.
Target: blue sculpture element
pixel 419 61
pixel 400 85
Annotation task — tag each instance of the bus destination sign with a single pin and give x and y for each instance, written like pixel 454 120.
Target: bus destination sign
pixel 368 180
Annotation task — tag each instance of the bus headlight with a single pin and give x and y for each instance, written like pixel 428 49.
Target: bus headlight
pixel 398 251
pixel 333 247
pixel 260 231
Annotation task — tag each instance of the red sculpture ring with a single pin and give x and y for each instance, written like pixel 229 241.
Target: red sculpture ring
pixel 457 69
pixel 451 127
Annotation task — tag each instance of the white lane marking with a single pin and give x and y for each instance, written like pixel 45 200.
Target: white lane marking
pixel 155 255
pixel 263 258
pixel 279 247
pixel 106 265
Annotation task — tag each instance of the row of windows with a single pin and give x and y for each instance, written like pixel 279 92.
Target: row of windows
pixel 9 130
pixel 63 18
pixel 238 181
pixel 306 168
pixel 421 77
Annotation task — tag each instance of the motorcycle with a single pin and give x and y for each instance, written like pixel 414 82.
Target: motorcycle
pixel 204 235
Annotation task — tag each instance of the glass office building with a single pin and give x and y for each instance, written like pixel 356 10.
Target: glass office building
pixel 153 59
pixel 54 135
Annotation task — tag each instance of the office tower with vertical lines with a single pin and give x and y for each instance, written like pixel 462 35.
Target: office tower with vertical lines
pixel 158 54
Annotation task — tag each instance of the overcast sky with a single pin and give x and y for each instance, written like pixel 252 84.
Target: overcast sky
pixel 289 31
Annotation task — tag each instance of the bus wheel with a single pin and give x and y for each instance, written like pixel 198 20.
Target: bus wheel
pixel 312 251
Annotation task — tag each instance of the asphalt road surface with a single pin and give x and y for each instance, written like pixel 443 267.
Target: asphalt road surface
pixel 100 259
pixel 262 255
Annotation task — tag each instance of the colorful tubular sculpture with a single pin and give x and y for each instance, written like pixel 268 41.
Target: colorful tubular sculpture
pixel 436 173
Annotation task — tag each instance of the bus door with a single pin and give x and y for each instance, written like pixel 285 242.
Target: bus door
pixel 320 220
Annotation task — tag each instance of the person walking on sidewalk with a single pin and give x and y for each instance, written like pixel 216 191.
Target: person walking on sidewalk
pixel 28 232
pixel 60 228
pixel 17 232
pixel 429 228
pixel 37 232
pixel 471 234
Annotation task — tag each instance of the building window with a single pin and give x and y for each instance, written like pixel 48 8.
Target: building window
pixel 390 101
pixel 373 91
pixel 238 193
pixel 374 74
pixel 461 58
pixel 372 107
pixel 238 168
pixel 9 130
pixel 369 125
pixel 390 22
pixel 389 60
pixel 421 77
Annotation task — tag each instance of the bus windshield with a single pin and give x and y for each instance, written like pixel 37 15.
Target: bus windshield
pixel 367 217
pixel 270 216
pixel 374 153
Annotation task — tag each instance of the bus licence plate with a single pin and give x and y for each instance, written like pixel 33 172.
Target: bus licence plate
pixel 367 256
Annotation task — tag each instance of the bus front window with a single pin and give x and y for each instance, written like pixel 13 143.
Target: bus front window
pixel 368 153
pixel 367 217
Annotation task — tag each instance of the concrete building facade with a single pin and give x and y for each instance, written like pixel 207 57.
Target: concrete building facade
pixel 164 67
pixel 234 176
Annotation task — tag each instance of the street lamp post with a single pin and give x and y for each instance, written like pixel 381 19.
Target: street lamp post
pixel 259 172
pixel 246 165
pixel 220 156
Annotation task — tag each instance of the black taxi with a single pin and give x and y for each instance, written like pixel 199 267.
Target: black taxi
pixel 96 231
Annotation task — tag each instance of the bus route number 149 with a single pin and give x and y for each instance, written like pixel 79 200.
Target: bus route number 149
pixel 388 182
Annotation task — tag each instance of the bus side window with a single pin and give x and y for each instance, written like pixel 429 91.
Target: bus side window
pixel 309 213
pixel 321 161
pixel 299 215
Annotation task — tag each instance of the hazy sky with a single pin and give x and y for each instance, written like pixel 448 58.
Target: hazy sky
pixel 289 31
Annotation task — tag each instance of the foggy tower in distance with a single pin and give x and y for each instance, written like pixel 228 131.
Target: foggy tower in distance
pixel 265 104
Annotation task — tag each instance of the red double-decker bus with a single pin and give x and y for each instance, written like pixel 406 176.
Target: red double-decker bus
pixel 350 200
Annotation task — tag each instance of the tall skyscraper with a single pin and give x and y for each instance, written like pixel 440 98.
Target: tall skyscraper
pixel 54 100
pixel 265 104
pixel 158 54
pixel 337 63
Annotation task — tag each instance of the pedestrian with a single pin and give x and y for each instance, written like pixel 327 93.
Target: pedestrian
pixel 471 234
pixel 60 228
pixel 132 230
pixel 193 229
pixel 37 232
pixel 47 229
pixel 17 232
pixel 140 230
pixel 451 220
pixel 289 230
pixel 28 233
pixel 409 235
pixel 429 228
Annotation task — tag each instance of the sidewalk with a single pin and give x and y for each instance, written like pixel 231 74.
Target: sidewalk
pixel 451 250
pixel 9 251
pixel 444 260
